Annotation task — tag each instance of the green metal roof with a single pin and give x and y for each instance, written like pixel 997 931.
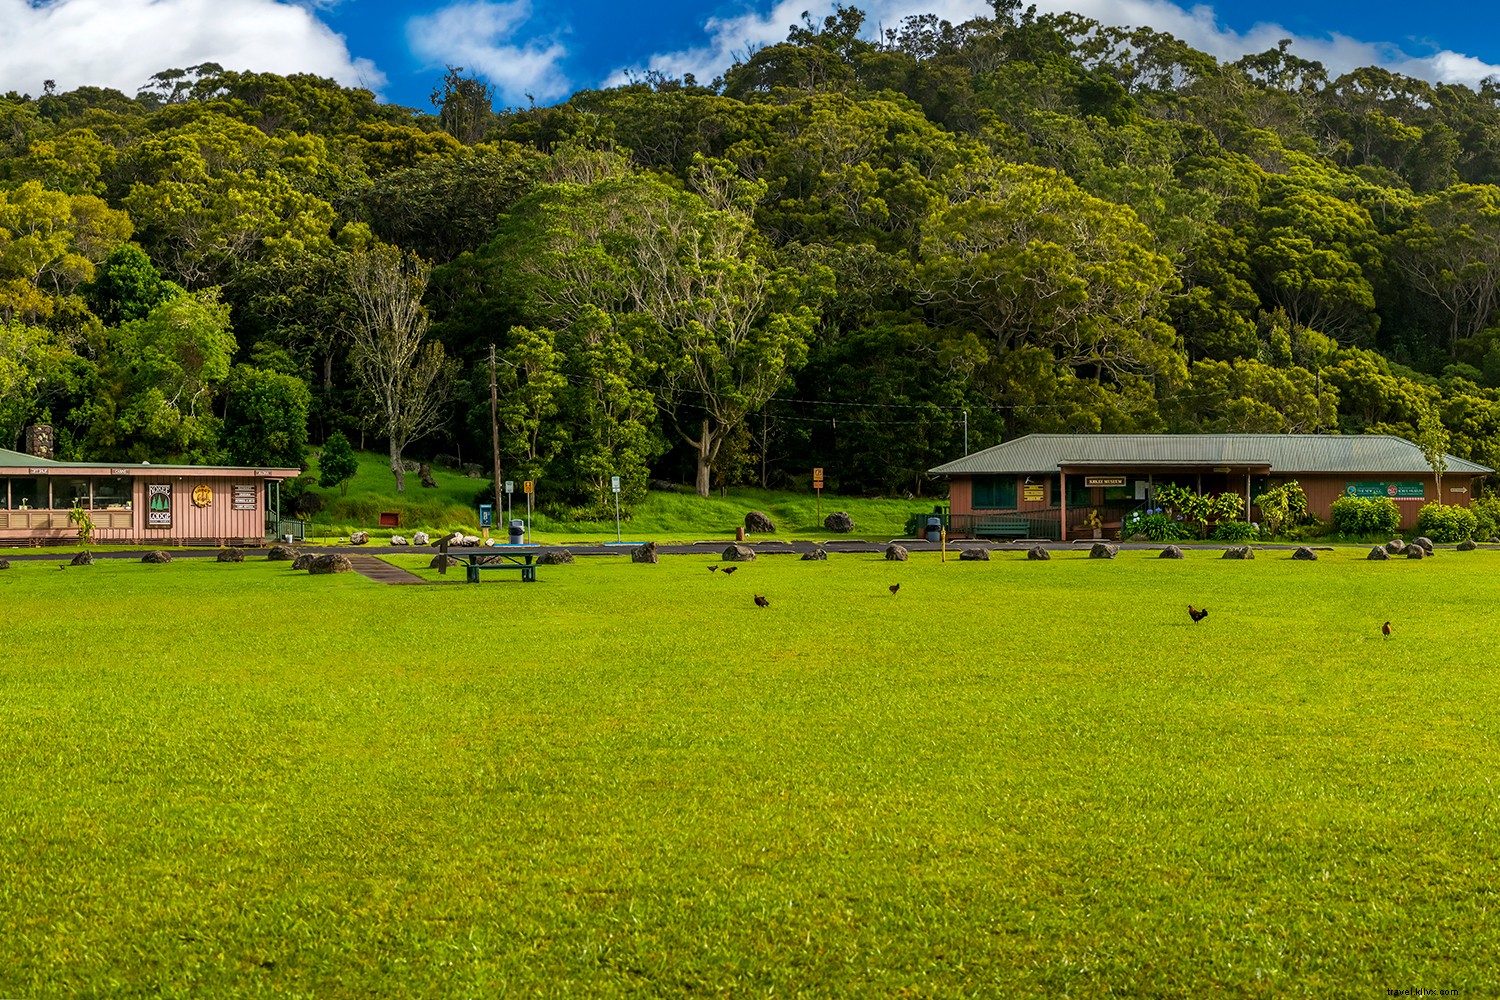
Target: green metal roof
pixel 1280 453
pixel 16 459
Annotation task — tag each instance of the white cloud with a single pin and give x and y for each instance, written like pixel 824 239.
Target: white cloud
pixel 480 36
pixel 122 43
pixel 732 37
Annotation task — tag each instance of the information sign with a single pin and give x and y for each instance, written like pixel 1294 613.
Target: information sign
pixel 1405 490
pixel 527 487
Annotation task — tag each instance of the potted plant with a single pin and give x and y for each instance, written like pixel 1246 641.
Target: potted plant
pixel 1094 523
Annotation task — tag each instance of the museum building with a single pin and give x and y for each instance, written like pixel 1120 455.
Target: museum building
pixel 1046 485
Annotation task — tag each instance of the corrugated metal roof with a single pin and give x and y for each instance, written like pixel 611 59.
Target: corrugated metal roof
pixel 1281 453
pixel 21 460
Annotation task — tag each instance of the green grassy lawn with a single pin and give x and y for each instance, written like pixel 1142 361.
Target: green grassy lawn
pixel 662 516
pixel 1008 779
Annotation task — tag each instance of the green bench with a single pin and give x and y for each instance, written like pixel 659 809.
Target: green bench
pixel 1012 527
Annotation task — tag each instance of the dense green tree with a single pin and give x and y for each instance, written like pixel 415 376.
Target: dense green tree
pixel 337 463
pixel 265 417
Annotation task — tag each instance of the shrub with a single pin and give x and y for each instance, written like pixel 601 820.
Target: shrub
pixel 1156 525
pixel 1234 531
pixel 1283 506
pixel 1446 523
pixel 1486 515
pixel 1366 516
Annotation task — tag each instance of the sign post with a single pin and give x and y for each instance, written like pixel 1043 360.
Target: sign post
pixel 510 487
pixel 614 484
pixel 818 488
pixel 528 487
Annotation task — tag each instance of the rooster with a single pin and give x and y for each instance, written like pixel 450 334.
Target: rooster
pixel 761 602
pixel 895 587
pixel 713 569
pixel 729 569
pixel 1196 614
pixel 1385 630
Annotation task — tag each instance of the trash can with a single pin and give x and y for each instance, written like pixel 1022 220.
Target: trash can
pixel 934 529
pixel 517 531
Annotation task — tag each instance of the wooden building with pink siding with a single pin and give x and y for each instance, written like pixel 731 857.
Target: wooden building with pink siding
pixel 1045 485
pixel 137 504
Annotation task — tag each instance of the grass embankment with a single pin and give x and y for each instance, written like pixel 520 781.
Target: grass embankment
pixel 663 516
pixel 1010 778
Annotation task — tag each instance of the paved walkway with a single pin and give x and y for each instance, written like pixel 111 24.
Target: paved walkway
pixel 381 571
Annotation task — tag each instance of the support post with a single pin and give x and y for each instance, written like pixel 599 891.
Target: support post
pixel 494 424
pixel 1062 503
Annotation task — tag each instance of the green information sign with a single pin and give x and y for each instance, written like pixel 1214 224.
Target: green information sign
pixel 1396 491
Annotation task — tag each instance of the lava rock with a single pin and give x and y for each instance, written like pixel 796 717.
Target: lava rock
pixel 399 540
pixel 1038 552
pixel 303 561
pixel 157 556
pixel 82 559
pixel 739 553
pixel 554 557
pixel 895 553
pixel 1103 550
pixel 231 555
pixel 757 523
pixel 817 554
pixel 1425 542
pixel 4 564
pixel 1305 554
pixel 281 553
pixel 1238 552
pixel 1378 553
pixel 974 555
pixel 839 521
pixel 330 562
pixel 437 561
pixel 420 538
pixel 1468 545
pixel 1171 552
pixel 1395 546
pixel 359 538
pixel 1415 551
pixel 644 553
pixel 425 471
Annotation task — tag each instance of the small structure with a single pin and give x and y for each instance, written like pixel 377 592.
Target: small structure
pixel 1049 485
pixel 137 504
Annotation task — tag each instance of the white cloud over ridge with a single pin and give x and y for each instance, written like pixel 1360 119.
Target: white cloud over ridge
pixel 480 35
pixel 122 43
pixel 729 38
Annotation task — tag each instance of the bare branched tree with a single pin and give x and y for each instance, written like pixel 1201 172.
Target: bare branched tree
pixel 409 379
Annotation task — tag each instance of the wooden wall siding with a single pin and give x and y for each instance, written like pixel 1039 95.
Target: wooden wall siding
pixel 218 520
pixel 961 495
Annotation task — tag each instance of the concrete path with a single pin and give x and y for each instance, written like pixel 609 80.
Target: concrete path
pixel 381 571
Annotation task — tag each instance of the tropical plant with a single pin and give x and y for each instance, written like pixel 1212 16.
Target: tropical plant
pixel 1446 522
pixel 1366 516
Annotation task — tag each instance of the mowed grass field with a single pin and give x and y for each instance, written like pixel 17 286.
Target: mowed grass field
pixel 1008 779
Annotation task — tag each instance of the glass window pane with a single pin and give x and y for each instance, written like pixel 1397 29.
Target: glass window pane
pixel 69 492
pixel 28 494
pixel 994 492
pixel 113 493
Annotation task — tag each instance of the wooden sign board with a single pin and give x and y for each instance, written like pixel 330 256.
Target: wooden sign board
pixel 1104 480
pixel 1034 493
pixel 243 497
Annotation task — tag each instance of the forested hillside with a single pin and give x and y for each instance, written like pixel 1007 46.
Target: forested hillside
pixel 846 252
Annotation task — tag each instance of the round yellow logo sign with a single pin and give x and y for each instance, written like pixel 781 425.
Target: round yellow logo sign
pixel 202 496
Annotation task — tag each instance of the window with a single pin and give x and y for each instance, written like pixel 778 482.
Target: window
pixel 1079 495
pixel 70 492
pixel 28 494
pixel 994 492
pixel 113 493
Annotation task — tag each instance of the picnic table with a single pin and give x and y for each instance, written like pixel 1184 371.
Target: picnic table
pixel 504 557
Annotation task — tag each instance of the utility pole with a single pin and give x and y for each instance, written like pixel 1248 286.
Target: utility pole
pixel 966 432
pixel 495 425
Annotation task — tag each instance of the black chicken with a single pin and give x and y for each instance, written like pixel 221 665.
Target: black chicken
pixel 730 569
pixel 1196 614
pixel 761 602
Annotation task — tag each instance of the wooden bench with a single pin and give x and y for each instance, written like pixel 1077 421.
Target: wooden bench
pixel 1014 527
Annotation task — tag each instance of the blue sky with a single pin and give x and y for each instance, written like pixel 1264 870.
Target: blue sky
pixel 547 50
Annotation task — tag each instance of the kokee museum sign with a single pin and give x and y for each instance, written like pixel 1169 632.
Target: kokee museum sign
pixel 1400 490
